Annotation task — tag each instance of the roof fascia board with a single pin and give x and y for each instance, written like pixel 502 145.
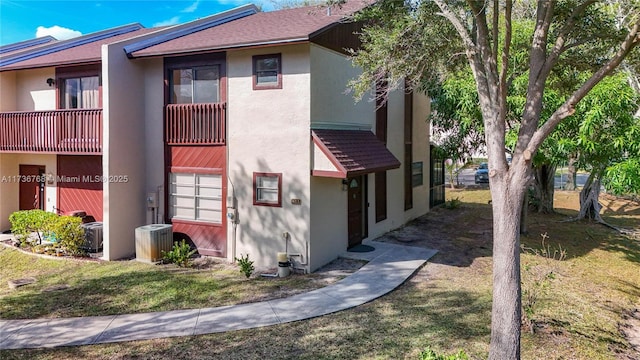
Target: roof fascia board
pixel 26 44
pixel 192 27
pixel 321 125
pixel 68 44
pixel 227 47
pixel 332 158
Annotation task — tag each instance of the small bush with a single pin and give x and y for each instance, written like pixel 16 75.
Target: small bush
pixel 26 222
pixel 68 232
pixel 452 204
pixel 536 279
pixel 180 254
pixel 246 265
pixel 429 354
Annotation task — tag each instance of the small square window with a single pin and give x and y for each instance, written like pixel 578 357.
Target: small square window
pixel 416 174
pixel 267 189
pixel 267 73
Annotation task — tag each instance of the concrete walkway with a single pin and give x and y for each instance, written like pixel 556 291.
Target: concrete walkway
pixel 389 266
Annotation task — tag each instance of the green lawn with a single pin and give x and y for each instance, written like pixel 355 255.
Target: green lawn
pixel 67 288
pixel 447 304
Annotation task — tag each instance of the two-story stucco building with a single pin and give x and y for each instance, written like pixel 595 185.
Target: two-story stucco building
pixel 234 128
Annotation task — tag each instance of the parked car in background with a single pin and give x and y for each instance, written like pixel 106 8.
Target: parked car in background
pixel 482 174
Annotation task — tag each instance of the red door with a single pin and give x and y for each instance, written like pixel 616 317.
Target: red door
pixel 32 187
pixel 356 211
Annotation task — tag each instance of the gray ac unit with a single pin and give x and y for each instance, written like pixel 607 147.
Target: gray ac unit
pixel 152 240
pixel 92 236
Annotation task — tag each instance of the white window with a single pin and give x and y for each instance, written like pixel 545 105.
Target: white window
pixel 196 197
pixel 81 93
pixel 267 189
pixel 195 85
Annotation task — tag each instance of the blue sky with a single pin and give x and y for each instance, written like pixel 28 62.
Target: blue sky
pixel 27 19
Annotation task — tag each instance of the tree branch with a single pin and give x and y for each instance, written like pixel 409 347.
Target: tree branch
pixel 504 82
pixel 494 29
pixel 559 46
pixel 533 103
pixel 568 107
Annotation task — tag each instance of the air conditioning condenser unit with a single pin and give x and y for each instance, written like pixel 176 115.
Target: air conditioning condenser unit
pixel 152 240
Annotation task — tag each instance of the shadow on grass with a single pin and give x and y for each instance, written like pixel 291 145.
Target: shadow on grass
pixel 140 290
pixel 391 327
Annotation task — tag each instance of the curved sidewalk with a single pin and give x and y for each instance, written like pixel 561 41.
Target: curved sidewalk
pixel 388 267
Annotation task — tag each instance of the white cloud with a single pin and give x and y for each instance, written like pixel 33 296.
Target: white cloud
pixel 191 8
pixel 173 21
pixel 57 32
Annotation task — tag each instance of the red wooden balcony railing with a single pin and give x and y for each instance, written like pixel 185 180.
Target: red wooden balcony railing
pixel 77 131
pixel 195 124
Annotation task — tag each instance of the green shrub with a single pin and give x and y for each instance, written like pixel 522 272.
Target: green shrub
pixel 69 233
pixel 180 254
pixel 246 265
pixel 429 354
pixel 452 204
pixel 26 222
pixel 65 231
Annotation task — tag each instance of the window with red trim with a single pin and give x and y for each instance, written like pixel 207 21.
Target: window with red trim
pixel 267 189
pixel 267 72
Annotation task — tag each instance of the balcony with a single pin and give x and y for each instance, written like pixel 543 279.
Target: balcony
pixel 77 131
pixel 195 124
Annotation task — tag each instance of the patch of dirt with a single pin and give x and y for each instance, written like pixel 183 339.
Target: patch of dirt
pixel 631 328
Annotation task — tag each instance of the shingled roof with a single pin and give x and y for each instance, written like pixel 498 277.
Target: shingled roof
pixel 262 28
pixel 353 152
pixel 81 50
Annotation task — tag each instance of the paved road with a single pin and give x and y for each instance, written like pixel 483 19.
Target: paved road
pixel 467 177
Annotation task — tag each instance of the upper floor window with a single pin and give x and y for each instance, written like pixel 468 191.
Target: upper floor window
pixel 81 93
pixel 195 85
pixel 267 72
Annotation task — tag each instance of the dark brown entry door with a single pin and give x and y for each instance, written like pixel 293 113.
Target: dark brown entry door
pixel 32 187
pixel 356 210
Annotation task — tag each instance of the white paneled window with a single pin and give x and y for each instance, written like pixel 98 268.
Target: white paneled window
pixel 267 189
pixel 196 197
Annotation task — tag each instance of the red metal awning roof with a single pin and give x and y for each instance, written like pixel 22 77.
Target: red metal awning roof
pixel 350 153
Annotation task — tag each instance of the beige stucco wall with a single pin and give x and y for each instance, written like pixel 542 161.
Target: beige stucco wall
pixel 420 145
pixel 154 149
pixel 7 91
pixel 330 74
pixel 10 187
pixel 32 90
pixel 268 131
pixel 328 220
pixel 332 107
pixel 396 215
pixel 395 177
pixel 123 85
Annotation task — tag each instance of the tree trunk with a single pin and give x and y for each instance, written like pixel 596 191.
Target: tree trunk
pixel 524 212
pixel 544 181
pixel 571 174
pixel 506 307
pixel 589 195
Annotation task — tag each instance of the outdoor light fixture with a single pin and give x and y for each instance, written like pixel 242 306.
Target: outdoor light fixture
pixel 50 81
pixel 345 185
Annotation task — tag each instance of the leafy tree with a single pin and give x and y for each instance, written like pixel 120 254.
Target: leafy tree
pixel 417 40
pixel 608 135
